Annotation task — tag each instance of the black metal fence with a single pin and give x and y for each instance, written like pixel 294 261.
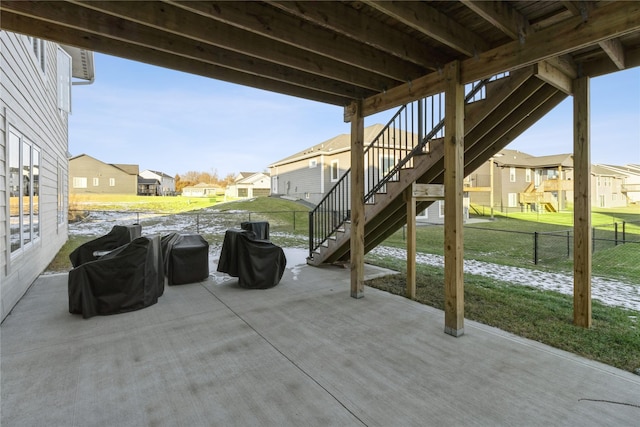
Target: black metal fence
pixel 208 221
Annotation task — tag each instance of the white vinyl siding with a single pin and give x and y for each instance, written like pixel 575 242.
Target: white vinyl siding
pixel 29 106
pixel 512 174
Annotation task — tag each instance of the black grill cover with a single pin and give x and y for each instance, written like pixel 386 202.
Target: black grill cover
pixel 126 279
pixel 258 264
pixel 118 236
pixel 260 228
pixel 186 258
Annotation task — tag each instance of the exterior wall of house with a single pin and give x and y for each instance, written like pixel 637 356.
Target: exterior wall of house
pixel 606 191
pixel 29 115
pixel 99 178
pixel 309 179
pixel 302 179
pixel 256 185
pixel 167 183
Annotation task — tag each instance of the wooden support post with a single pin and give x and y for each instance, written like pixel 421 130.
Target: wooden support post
pixel 357 202
pixel 411 242
pixel 582 204
pixel 453 189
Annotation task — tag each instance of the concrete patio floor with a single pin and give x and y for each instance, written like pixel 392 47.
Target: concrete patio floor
pixel 301 354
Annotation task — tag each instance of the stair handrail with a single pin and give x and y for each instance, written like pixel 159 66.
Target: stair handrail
pixel 335 218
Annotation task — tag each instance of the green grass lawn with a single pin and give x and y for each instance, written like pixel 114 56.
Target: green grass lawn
pixel 124 202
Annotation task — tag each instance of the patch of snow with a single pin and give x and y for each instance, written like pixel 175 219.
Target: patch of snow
pixel 608 291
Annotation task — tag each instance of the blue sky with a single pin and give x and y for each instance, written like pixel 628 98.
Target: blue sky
pixel 175 122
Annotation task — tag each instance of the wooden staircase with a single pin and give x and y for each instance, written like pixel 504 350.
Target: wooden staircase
pixel 511 106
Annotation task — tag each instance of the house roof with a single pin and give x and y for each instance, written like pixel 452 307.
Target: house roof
pixel 337 144
pixel 252 178
pixel 129 169
pixel 147 181
pixel 515 158
pixel 162 174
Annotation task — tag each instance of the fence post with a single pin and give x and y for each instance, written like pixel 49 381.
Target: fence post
pixel 535 247
pixel 593 240
pixel 310 234
pixel 568 243
pixel 294 220
pixel 198 223
pixel 137 217
pixel 615 229
pixel 624 235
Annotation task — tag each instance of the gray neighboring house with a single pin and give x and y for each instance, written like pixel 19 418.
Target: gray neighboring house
pixel 167 184
pixel 88 175
pixel 36 77
pixel 311 173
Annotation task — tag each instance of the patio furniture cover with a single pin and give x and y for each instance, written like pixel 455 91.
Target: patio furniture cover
pixel 186 258
pixel 118 236
pixel 126 279
pixel 260 228
pixel 258 264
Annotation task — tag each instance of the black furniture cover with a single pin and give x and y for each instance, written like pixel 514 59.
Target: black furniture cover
pixel 126 279
pixel 260 228
pixel 118 236
pixel 258 264
pixel 186 258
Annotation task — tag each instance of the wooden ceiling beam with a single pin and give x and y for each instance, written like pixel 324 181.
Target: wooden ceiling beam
pixel 355 24
pixel 177 21
pixel 612 20
pixel 87 40
pixel 269 22
pixel 132 33
pixel 615 51
pixel 609 21
pixel 434 24
pixel 502 16
pixel 612 47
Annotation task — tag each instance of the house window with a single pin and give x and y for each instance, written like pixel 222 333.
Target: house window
pixel 335 170
pixel 61 193
pixel 79 182
pixel 423 214
pixel 96 182
pixel 527 175
pixel 39 52
pixel 307 195
pixel 441 208
pixel 64 81
pixel 112 182
pixel 24 191
pixel 513 200
pixel 512 174
pixel 313 163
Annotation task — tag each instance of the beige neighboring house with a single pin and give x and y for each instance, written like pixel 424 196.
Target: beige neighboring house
pixel 88 175
pixel 202 190
pixel 607 187
pixel 249 185
pixel 524 182
pixel 630 185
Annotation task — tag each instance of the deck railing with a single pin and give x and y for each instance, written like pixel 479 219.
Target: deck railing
pixel 407 134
